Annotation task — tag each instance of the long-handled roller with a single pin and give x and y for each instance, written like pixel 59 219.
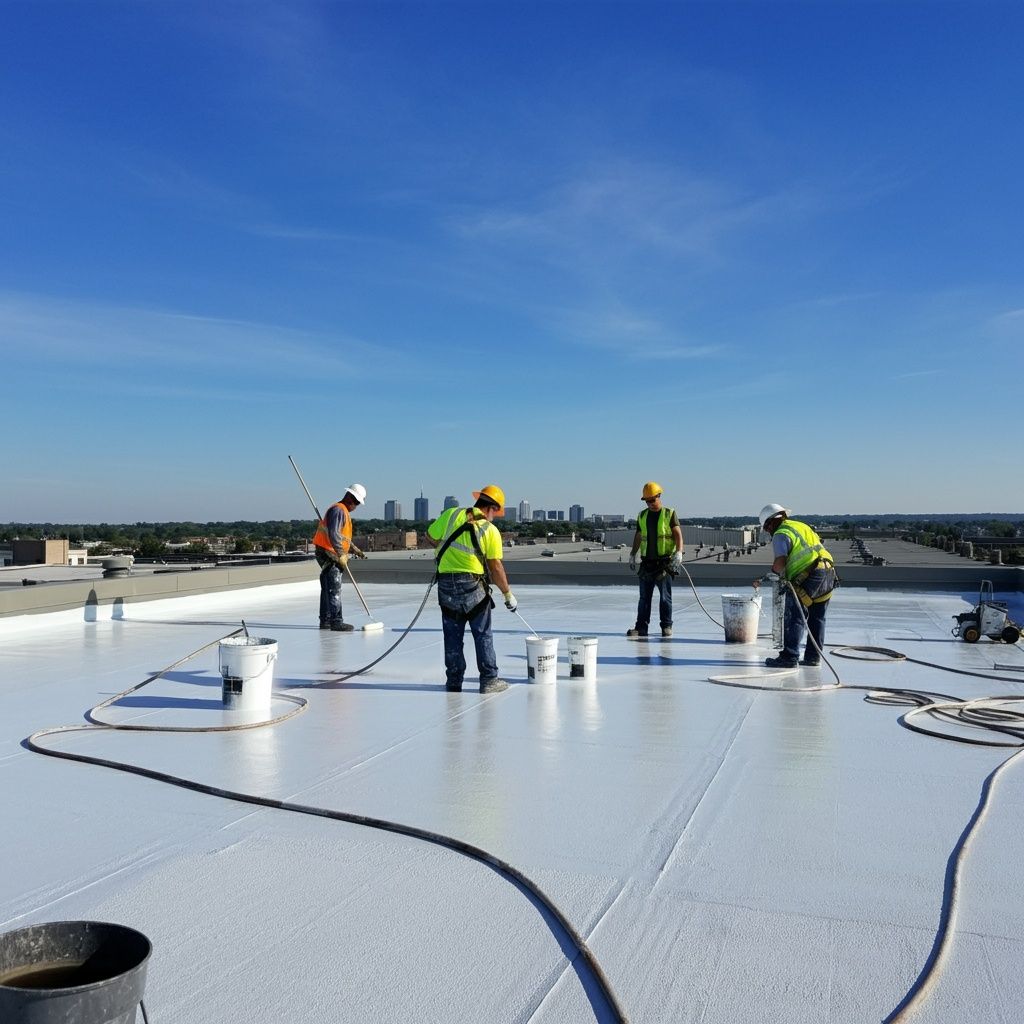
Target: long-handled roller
pixel 369 627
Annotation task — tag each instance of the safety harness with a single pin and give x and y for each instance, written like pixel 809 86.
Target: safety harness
pixel 466 527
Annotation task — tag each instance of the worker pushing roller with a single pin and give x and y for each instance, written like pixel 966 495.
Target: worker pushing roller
pixel 808 570
pixel 659 540
pixel 468 561
pixel 333 542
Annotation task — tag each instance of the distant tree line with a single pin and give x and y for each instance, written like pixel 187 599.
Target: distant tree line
pixel 243 536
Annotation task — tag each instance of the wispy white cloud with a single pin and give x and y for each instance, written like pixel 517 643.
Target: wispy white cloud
pixel 915 373
pixel 75 335
pixel 622 207
pixel 631 335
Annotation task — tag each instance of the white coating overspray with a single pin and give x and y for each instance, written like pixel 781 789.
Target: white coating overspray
pixel 739 617
pixel 247 671
pixel 582 657
pixel 542 658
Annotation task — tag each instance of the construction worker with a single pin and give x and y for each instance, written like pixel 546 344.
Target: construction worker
pixel 333 541
pixel 659 540
pixel 804 563
pixel 468 561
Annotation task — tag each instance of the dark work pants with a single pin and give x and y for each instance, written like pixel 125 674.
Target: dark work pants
pixel 649 579
pixel 331 576
pixel 818 582
pixel 461 592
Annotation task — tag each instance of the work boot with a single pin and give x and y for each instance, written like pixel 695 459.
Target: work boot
pixel 325 625
pixel 636 632
pixel 454 687
pixel 342 627
pixel 782 661
pixel 810 660
pixel 666 630
pixel 495 685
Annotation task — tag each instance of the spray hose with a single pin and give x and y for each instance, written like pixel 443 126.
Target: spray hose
pixel 992 714
pixel 584 959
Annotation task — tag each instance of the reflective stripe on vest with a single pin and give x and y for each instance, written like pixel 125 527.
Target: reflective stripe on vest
pixel 806 547
pixel 666 542
pixel 321 538
pixel 455 520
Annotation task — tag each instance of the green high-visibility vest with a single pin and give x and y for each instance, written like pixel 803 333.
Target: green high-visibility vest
pixel 666 542
pixel 806 547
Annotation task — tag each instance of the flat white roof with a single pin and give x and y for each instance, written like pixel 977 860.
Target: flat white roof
pixel 729 855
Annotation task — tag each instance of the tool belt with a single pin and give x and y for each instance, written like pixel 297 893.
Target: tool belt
pixel 461 617
pixel 819 597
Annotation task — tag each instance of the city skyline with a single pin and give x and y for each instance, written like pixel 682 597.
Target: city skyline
pixel 783 239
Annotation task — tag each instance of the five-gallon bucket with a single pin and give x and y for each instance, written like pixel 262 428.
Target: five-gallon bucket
pixel 247 668
pixel 582 657
pixel 89 972
pixel 542 658
pixel 739 617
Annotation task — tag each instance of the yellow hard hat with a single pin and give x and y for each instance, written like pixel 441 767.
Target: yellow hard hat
pixel 651 490
pixel 496 494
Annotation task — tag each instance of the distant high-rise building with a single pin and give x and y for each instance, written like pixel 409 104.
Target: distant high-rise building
pixel 421 508
pixel 511 516
pixel 552 514
pixel 524 511
pixel 539 515
pixel 392 511
pixel 450 501
pixel 575 513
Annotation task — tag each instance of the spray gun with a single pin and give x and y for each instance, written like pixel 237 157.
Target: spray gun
pixel 778 610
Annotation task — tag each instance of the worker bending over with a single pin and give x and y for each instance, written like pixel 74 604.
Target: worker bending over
pixel 468 561
pixel 333 542
pixel 659 540
pixel 802 560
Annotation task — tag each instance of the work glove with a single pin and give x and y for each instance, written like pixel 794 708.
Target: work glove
pixel 358 552
pixel 510 601
pixel 677 561
pixel 632 563
pixel 342 561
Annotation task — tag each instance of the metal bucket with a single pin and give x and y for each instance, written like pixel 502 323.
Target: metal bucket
pixel 88 972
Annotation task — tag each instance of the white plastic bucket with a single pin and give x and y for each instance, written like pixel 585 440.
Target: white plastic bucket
pixel 247 671
pixel 582 657
pixel 542 658
pixel 739 617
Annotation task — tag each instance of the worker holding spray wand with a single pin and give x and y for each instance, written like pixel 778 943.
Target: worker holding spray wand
pixel 333 542
pixel 468 560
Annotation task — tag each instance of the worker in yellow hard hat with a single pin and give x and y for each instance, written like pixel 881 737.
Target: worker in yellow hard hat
pixel 659 542
pixel 468 562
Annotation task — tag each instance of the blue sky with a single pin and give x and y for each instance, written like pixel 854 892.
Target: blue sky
pixel 757 252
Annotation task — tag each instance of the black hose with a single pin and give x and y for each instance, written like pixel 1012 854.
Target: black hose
pixel 513 874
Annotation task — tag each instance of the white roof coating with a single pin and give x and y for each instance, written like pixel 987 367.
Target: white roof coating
pixel 729 855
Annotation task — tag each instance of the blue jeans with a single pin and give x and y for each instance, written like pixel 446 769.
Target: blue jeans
pixel 651 577
pixel 459 593
pixel 330 590
pixel 818 583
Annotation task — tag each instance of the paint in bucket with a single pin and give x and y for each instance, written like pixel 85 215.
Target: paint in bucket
pixel 739 617
pixel 582 657
pixel 542 658
pixel 247 669
pixel 86 971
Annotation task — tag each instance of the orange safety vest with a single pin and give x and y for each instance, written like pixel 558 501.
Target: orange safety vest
pixel 322 540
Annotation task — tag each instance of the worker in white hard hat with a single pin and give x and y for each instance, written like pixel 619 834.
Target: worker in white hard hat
pixel 333 542
pixel 809 570
pixel 659 542
pixel 468 561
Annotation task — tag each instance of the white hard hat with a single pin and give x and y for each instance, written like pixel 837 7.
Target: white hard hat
pixel 770 511
pixel 358 491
